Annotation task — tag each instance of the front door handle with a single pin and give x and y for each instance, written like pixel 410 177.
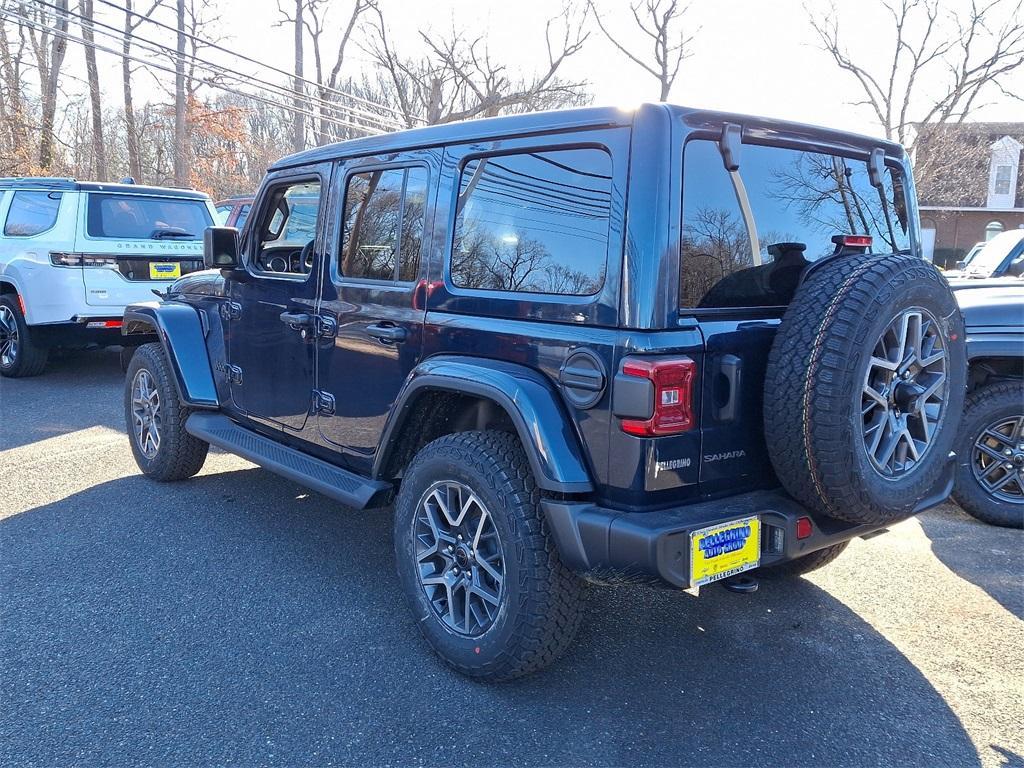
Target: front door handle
pixel 297 321
pixel 388 333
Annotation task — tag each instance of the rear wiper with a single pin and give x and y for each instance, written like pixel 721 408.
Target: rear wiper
pixel 167 232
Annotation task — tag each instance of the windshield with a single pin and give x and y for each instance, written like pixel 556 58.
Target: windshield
pixel 988 259
pixel 144 217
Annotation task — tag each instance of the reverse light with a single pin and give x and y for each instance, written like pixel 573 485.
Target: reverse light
pixel 804 528
pixel 672 379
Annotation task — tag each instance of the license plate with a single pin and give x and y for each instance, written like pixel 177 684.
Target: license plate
pixel 723 550
pixel 164 270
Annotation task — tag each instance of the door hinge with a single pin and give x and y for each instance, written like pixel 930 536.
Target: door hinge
pixel 234 374
pixel 323 403
pixel 230 310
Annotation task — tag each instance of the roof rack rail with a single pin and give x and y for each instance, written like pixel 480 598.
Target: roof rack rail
pixel 38 182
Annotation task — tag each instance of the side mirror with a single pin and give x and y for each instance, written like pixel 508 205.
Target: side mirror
pixel 220 248
pixel 961 265
pixel 1016 268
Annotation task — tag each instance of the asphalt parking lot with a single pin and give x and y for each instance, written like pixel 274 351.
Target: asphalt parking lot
pixel 236 618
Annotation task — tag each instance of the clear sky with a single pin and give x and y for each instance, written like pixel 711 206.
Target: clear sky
pixel 755 56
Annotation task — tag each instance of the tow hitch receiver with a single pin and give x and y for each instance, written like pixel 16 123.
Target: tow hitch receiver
pixel 741 584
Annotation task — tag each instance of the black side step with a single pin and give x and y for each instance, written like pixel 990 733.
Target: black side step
pixel 348 488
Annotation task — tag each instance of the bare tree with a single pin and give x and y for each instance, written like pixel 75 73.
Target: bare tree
pixel 14 137
pixel 99 153
pixel 47 38
pixel 315 19
pixel 661 22
pixel 457 79
pixel 939 64
pixel 132 21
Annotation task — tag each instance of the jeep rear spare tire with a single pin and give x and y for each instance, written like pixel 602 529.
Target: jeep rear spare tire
pixel 865 387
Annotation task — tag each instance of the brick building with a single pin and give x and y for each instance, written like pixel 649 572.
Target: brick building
pixel 970 185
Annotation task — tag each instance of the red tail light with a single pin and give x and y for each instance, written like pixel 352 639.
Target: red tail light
pixel 672 379
pixel 804 527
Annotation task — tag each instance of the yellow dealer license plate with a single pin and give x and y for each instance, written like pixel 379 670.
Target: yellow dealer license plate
pixel 723 550
pixel 164 270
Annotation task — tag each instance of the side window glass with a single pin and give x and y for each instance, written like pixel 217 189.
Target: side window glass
pixel 535 222
pixel 288 228
pixel 32 213
pixel 243 214
pixel 384 214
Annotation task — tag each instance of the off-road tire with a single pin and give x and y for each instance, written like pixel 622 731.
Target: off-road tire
pixel 30 359
pixel 815 379
pixel 985 406
pixel 812 562
pixel 180 455
pixel 542 602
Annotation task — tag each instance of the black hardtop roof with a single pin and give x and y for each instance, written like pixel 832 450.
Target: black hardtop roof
pixel 73 185
pixel 579 118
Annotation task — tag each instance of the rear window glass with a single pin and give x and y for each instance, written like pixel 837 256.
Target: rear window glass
pixel 384 213
pixel 32 213
pixel 146 217
pixel 798 201
pixel 534 222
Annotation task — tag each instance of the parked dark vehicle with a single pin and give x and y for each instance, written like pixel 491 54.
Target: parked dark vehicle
pixel 668 346
pixel 990 475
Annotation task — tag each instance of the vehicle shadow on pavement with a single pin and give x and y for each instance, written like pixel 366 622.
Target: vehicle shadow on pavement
pixel 990 557
pixel 236 618
pixel 91 375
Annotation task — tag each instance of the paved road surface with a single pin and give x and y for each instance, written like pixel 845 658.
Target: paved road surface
pixel 236 618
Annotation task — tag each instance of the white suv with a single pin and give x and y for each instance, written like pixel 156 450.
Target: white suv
pixel 73 254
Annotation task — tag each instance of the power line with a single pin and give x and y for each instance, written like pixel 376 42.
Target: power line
pixel 96 46
pixel 217 46
pixel 157 48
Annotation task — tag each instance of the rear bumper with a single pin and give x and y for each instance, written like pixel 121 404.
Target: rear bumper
pixel 654 547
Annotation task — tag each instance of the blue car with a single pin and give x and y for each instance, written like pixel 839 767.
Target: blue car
pixel 665 345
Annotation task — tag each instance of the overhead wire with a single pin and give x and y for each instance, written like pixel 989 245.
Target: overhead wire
pixel 224 49
pixel 157 48
pixel 96 46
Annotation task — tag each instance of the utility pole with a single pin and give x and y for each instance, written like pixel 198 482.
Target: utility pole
pixel 298 119
pixel 180 132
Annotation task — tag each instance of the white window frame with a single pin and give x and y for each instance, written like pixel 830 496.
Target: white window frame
pixel 1005 153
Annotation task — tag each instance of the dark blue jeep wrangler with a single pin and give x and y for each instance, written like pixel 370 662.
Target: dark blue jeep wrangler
pixel 663 345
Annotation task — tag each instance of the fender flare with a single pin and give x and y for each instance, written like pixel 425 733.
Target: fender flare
pixel 181 333
pixel 525 394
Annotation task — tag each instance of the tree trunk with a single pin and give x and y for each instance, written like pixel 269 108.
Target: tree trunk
pixel 99 152
pixel 131 130
pixel 12 111
pixel 180 130
pixel 48 89
pixel 298 119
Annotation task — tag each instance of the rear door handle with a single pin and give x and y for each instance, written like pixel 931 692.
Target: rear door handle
pixel 388 333
pixel 732 369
